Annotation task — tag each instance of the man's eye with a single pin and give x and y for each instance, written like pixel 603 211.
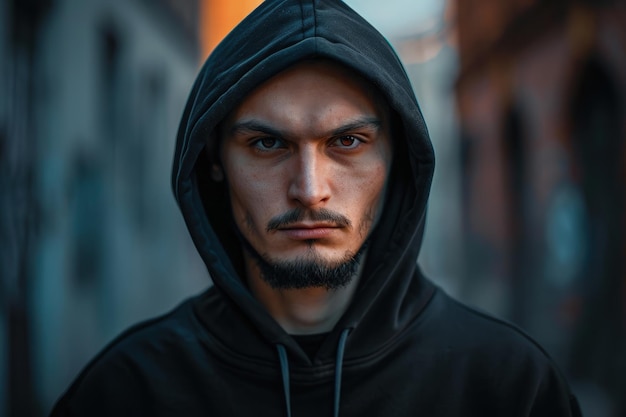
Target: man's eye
pixel 347 142
pixel 267 143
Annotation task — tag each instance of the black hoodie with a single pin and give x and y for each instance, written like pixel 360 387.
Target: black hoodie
pixel 402 348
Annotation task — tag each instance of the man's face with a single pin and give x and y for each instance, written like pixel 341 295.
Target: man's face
pixel 306 157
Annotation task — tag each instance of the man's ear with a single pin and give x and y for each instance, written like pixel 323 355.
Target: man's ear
pixel 217 174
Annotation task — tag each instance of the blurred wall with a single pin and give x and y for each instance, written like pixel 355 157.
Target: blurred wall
pixel 112 247
pixel 107 80
pixel 20 24
pixel 541 97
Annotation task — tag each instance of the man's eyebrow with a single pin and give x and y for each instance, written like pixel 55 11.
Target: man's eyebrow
pixel 261 127
pixel 357 124
pixel 254 126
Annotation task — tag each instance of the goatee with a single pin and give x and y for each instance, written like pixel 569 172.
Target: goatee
pixel 309 272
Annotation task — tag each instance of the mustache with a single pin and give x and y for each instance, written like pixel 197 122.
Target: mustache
pixel 298 214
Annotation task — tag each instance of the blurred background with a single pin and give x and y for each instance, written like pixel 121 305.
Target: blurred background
pixel 525 102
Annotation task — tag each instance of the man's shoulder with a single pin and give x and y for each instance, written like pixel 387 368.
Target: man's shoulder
pixel 470 330
pixel 483 363
pixel 159 334
pixel 136 361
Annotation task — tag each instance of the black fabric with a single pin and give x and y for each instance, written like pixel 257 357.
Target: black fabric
pixel 310 343
pixel 402 348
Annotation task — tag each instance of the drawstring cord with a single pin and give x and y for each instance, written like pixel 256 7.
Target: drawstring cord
pixel 341 346
pixel 284 370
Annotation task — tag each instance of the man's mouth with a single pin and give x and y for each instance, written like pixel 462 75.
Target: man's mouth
pixel 309 231
pixel 301 219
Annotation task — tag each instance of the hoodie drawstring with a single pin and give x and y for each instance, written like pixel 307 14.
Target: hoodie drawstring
pixel 284 370
pixel 341 346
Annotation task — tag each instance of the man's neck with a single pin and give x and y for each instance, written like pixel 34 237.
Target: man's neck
pixel 301 311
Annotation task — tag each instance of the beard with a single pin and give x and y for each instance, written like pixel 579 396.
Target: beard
pixel 306 272
pixel 311 270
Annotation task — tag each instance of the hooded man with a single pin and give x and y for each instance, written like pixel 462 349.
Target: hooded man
pixel 302 169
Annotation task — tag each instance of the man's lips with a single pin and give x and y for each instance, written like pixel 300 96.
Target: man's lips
pixel 309 231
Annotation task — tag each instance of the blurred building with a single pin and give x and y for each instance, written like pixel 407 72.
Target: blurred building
pixel 541 97
pixel 431 60
pixel 96 240
pixel 19 27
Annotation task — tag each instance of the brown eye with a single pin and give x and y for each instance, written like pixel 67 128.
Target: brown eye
pixel 347 142
pixel 268 142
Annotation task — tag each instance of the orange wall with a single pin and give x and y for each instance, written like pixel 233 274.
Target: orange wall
pixel 218 17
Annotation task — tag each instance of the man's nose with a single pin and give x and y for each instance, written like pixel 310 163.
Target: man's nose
pixel 309 179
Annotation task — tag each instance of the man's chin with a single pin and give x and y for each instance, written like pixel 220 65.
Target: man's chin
pixel 310 267
pixel 308 270
pixel 307 273
pixel 312 255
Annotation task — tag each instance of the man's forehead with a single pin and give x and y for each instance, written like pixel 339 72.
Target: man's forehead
pixel 325 74
pixel 321 65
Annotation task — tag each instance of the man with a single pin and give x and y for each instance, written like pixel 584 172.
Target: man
pixel 302 169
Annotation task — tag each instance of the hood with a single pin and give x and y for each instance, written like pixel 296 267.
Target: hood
pixel 276 35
